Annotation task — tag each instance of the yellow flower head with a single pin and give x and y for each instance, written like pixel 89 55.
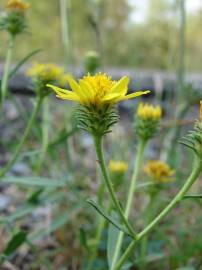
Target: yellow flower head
pixel 159 171
pixel 118 166
pixel 97 90
pixel 17 5
pixel 200 113
pixel 147 112
pixel 45 72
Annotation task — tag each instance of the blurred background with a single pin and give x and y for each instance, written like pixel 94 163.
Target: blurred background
pixel 127 33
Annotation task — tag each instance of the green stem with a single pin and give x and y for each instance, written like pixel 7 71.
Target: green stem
pixel 45 133
pixel 20 145
pixel 130 196
pixel 191 179
pixel 99 151
pixel 148 216
pixel 4 82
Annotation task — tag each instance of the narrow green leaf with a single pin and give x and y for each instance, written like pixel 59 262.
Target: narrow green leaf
pixel 192 197
pixel 34 181
pixel 110 219
pixel 16 241
pixel 22 62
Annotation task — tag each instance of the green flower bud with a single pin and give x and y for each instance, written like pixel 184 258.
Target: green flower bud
pixel 147 121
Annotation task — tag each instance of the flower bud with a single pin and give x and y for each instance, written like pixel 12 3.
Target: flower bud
pixel 147 120
pixel 14 21
pixel 91 61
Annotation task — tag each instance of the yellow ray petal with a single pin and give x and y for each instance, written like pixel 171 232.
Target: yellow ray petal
pixel 88 91
pixel 63 93
pixel 59 90
pixel 136 94
pixel 111 96
pixel 121 86
pixel 72 96
pixel 77 89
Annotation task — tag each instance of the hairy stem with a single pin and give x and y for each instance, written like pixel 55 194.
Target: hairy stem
pixel 99 151
pixel 130 196
pixel 45 133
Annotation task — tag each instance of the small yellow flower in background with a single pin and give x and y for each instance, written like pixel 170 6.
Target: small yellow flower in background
pixel 17 5
pixel 147 111
pixel 159 171
pixel 119 167
pixel 63 81
pixel 97 90
pixel 45 72
pixel 200 113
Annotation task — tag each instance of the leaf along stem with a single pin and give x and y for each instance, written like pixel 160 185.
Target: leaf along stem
pixel 99 151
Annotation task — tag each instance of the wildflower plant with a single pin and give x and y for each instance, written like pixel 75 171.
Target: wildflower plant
pixel 160 174
pixel 146 125
pixel 97 96
pixel 14 22
pixel 193 141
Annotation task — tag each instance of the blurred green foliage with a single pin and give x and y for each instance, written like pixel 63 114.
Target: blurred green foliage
pixel 106 26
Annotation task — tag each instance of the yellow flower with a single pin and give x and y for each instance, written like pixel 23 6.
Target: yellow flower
pixel 97 90
pixel 200 113
pixel 63 81
pixel 118 166
pixel 45 72
pixel 147 112
pixel 17 5
pixel 159 171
